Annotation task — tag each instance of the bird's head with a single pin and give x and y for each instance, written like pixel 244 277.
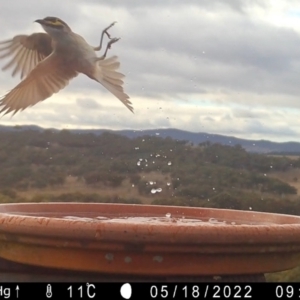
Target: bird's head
pixel 53 24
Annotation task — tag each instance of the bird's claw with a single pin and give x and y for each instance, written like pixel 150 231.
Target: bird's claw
pixel 112 41
pixel 105 31
pixel 108 46
pixel 108 27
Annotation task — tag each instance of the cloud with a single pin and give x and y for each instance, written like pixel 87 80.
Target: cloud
pixel 226 67
pixel 87 103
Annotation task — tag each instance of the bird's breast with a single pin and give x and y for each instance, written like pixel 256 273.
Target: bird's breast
pixel 76 53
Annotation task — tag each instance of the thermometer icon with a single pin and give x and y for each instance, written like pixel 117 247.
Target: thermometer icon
pixel 49 291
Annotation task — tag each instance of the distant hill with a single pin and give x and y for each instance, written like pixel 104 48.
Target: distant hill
pixel 259 146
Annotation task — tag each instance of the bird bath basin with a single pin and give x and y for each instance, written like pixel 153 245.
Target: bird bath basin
pixel 148 240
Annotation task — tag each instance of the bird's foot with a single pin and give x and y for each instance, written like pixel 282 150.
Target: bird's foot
pixel 108 46
pixel 105 31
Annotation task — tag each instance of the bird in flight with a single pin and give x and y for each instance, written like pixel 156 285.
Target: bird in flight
pixel 47 62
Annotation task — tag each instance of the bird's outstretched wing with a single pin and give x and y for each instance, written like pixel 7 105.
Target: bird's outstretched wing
pixel 47 78
pixel 105 72
pixel 26 51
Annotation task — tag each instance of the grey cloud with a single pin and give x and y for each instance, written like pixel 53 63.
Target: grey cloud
pixel 189 52
pixel 87 103
pixel 249 113
pixel 237 5
pixel 238 55
pixel 216 53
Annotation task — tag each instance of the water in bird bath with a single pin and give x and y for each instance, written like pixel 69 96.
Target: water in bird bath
pixel 158 220
pixel 167 218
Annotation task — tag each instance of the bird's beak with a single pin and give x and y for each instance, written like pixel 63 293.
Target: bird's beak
pixel 40 21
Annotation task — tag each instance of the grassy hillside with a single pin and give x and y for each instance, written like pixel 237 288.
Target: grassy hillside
pixel 146 169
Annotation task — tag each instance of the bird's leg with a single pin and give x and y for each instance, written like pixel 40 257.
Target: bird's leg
pixel 102 35
pixel 112 41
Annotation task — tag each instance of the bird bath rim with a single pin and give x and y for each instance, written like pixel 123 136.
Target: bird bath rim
pixel 49 219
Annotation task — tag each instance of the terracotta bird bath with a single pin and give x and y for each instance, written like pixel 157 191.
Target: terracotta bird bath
pixel 148 240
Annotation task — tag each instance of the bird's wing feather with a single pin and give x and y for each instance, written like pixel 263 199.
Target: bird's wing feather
pixel 49 76
pixel 105 72
pixel 26 51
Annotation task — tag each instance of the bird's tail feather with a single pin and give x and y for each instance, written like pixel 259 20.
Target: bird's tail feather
pixel 105 72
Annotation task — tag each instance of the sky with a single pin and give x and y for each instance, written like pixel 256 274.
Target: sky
pixel 229 67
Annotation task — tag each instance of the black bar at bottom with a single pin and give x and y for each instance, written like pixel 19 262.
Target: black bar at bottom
pixel 149 290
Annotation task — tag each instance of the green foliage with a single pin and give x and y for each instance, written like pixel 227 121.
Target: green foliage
pixel 9 193
pixel 205 175
pixel 84 198
pixel 135 178
pixel 107 178
pixel 285 276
